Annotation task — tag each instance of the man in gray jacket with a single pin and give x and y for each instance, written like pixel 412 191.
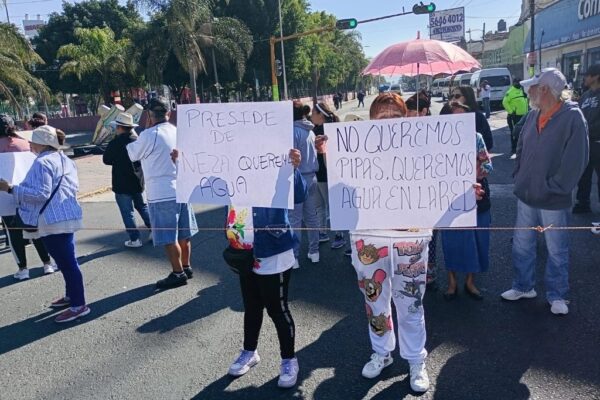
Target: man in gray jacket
pixel 552 153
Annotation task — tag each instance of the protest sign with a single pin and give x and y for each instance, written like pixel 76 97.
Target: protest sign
pixel 402 173
pixel 13 169
pixel 235 153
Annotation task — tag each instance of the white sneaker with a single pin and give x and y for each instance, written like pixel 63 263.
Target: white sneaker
pixel 134 243
pixel 296 264
pixel 419 380
pixel 314 257
pixel 21 274
pixel 49 269
pixel 245 361
pixel 513 157
pixel 559 307
pixel 513 295
pixel 377 363
pixel 288 374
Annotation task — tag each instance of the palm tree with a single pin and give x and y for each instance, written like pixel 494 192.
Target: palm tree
pixel 98 53
pixel 16 54
pixel 188 29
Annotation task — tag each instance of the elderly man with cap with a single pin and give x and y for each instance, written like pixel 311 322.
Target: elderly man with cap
pixel 590 106
pixel 48 209
pixel 127 178
pixel 173 224
pixel 552 153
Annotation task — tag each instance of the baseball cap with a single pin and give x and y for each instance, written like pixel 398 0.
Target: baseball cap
pixel 550 77
pixel 6 122
pixel 352 117
pixel 159 105
pixel 44 135
pixel 593 70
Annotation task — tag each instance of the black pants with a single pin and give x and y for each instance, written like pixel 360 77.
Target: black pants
pixel 584 189
pixel 512 120
pixel 361 102
pixel 270 292
pixel 17 244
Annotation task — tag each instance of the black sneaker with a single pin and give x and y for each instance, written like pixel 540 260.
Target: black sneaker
pixel 188 272
pixel 172 281
pixel 581 208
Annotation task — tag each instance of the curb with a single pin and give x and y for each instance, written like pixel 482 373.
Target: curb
pixel 94 193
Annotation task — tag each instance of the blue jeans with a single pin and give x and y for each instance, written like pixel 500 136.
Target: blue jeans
pixel 486 106
pixel 127 203
pixel 557 244
pixel 307 212
pixel 62 248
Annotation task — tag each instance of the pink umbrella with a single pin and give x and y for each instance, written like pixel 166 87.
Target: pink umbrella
pixel 421 57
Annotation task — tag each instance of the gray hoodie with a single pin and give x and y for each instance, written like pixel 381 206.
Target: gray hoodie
pixel 304 140
pixel 550 163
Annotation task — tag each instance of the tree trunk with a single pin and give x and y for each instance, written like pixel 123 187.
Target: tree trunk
pixel 315 88
pixel 193 83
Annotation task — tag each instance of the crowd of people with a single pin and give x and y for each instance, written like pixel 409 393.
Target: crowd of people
pixel 551 152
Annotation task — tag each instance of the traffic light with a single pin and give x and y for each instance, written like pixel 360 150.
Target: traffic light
pixel 279 68
pixel 423 8
pixel 348 23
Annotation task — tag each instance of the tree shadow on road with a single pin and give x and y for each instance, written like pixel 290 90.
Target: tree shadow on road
pixel 41 326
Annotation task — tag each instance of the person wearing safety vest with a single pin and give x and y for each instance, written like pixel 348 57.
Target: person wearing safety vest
pixel 516 105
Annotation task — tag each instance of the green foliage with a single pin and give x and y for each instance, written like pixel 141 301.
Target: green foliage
pixel 97 53
pixel 16 56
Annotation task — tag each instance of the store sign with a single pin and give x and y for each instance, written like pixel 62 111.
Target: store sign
pixel 565 22
pixel 447 25
pixel 588 8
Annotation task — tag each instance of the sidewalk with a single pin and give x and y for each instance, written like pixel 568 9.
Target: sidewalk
pixel 94 176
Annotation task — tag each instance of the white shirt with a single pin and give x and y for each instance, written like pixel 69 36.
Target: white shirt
pixel 486 91
pixel 153 148
pixel 240 234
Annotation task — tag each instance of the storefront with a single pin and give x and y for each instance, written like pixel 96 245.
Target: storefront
pixel 569 34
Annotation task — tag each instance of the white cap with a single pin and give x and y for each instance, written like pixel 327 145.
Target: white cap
pixel 352 117
pixel 550 77
pixel 44 135
pixel 125 119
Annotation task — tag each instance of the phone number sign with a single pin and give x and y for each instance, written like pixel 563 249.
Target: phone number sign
pixel 447 25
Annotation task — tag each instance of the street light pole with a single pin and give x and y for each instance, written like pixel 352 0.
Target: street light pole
pixel 285 92
pixel 6 8
pixel 532 41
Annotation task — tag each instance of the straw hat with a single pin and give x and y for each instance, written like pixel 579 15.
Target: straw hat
pixel 125 119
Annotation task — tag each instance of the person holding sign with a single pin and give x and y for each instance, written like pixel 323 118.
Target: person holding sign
pixel 48 208
pixel 468 250
pixel 11 142
pixel 173 224
pixel 322 114
pixel 304 141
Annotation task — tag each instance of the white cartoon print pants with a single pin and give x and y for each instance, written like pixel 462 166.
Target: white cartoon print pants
pixel 392 265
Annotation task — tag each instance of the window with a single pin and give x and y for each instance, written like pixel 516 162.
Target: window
pixel 495 81
pixel 593 56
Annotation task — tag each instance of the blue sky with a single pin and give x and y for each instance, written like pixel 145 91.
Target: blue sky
pixel 376 36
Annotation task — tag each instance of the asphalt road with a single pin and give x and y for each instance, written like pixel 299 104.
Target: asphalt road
pixel 178 344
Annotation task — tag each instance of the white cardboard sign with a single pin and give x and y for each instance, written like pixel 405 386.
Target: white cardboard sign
pixel 13 169
pixel 235 153
pixel 402 173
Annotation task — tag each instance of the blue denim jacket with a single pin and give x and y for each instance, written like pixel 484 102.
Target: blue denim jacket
pixel 36 188
pixel 279 238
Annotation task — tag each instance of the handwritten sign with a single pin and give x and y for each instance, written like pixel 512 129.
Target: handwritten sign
pixel 235 153
pixel 13 169
pixel 402 173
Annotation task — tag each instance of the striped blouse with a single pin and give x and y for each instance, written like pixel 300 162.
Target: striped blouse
pixel 41 180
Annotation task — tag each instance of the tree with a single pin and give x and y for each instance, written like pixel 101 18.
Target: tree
pixel 16 54
pixel 60 30
pixel 188 30
pixel 98 53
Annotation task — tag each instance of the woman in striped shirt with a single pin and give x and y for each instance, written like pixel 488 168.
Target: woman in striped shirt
pixel 47 198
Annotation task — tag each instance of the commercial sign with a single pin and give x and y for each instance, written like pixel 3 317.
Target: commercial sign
pixel 447 25
pixel 566 21
pixel 32 26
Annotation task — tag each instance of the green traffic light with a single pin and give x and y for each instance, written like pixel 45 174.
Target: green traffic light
pixel 352 23
pixel 431 7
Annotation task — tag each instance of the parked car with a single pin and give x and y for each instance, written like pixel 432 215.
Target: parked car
pixel 395 88
pixel 499 79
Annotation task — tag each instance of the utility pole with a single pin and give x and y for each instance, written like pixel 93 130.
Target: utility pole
pixel 285 92
pixel 483 44
pixel 6 8
pixel 532 41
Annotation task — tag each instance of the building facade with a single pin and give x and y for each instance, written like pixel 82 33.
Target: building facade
pixel 567 37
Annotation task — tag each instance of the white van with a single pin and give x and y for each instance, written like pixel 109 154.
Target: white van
pixel 445 88
pixel 436 89
pixel 465 79
pixel 498 78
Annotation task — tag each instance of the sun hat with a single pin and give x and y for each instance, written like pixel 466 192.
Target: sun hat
pixel 44 135
pixel 125 119
pixel 550 77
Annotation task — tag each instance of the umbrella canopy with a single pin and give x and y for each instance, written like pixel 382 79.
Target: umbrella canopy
pixel 421 57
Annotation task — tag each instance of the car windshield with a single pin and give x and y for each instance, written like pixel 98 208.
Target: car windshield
pixel 502 80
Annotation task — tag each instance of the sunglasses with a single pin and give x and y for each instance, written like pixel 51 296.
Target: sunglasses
pixel 457 96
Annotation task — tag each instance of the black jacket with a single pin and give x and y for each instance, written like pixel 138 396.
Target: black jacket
pixel 590 107
pixel 124 178
pixel 482 126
